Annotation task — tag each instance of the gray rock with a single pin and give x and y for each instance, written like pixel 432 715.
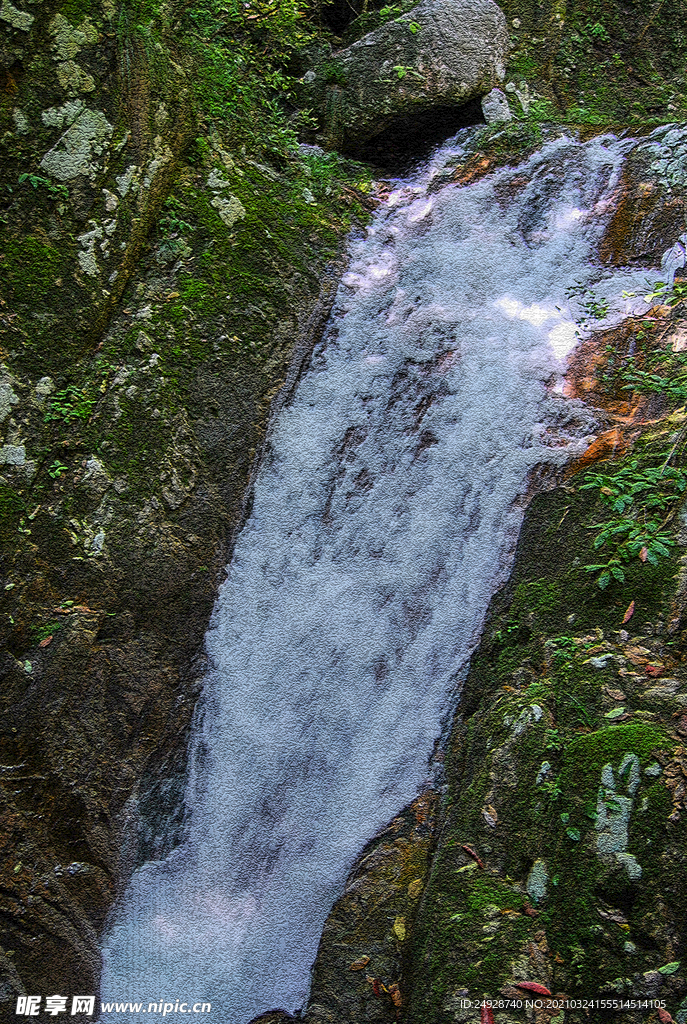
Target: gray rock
pixel 538 880
pixel 442 53
pixel 77 150
pixel 13 455
pixel 8 398
pixel 495 107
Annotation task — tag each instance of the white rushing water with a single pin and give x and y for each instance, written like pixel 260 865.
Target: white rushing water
pixel 385 515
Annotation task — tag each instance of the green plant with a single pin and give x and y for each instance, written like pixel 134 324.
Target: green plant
pixel 36 181
pixel 591 309
pixel 563 650
pixel 639 496
pixel 511 627
pixel 71 403
pixel 656 487
pixel 585 718
pixel 171 222
pixel 646 382
pixel 553 740
pixel 552 789
pixel 57 469
pixel 598 31
pixel 669 294
pixel 403 70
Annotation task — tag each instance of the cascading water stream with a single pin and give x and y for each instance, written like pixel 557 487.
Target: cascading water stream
pixel 385 515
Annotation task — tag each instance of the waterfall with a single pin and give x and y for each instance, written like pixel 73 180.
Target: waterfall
pixel 385 514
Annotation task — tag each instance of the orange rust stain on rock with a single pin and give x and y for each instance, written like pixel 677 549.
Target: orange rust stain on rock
pixel 607 446
pixel 645 223
pixel 473 170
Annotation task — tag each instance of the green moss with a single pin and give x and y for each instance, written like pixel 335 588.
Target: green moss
pixel 49 629
pixel 30 269
pixel 76 10
pixel 598 61
pixel 585 756
pixel 137 442
pixel 12 506
pixel 457 952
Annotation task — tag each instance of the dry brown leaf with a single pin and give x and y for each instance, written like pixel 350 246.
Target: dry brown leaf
pixel 637 655
pixel 473 853
pixel 629 612
pixel 359 964
pixel 616 916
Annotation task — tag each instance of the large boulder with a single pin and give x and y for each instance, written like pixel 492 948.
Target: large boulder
pixel 441 54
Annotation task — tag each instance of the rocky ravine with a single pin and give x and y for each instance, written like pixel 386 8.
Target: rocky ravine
pixel 160 284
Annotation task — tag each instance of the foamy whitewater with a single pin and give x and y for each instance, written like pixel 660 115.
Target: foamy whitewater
pixel 385 515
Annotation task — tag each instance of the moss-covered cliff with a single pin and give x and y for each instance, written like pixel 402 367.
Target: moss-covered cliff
pixel 165 271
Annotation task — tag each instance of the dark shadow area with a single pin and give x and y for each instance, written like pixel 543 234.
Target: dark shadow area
pixel 412 137
pixel 337 15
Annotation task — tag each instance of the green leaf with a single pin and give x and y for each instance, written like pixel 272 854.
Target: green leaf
pixel 604 579
pixel 670 968
pixel 565 818
pixel 618 573
pixel 615 713
pixel 574 834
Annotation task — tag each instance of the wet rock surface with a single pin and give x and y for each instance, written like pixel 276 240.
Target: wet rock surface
pixel 441 54
pixel 642 228
pixel 357 973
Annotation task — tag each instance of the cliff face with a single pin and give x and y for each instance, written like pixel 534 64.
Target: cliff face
pixel 157 292
pixel 164 275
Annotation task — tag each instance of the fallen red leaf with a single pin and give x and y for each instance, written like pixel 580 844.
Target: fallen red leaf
pixel 629 612
pixel 486 1016
pixel 44 643
pixel 377 986
pixel 654 670
pixel 665 1017
pixel 469 850
pixel 643 554
pixel 532 986
pixel 529 910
